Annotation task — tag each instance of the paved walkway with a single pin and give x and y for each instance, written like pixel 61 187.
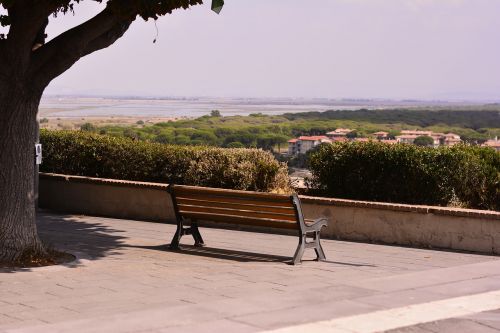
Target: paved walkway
pixel 126 280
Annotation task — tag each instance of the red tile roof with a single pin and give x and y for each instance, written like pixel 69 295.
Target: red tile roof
pixel 492 143
pixel 313 138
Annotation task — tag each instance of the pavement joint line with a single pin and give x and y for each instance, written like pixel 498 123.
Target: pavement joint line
pixel 483 324
pixel 384 320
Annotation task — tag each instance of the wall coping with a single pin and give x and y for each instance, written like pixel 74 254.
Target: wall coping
pixel 422 209
pixel 103 181
pixel 437 210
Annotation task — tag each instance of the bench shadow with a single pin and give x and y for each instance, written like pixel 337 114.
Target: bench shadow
pixel 211 252
pixel 348 264
pixel 77 236
pixel 235 255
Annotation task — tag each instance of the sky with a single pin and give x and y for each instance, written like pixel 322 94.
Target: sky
pixel 391 49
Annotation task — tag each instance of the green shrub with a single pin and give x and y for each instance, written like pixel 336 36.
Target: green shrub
pixel 460 175
pixel 93 155
pixel 235 144
pixel 88 127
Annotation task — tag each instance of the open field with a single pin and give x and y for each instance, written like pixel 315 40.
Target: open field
pixel 69 123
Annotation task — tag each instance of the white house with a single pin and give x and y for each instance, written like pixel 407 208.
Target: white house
pixel 304 143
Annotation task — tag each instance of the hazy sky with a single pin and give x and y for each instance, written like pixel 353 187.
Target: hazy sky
pixel 423 49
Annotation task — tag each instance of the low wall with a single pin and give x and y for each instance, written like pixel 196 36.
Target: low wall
pixel 410 225
pixel 105 197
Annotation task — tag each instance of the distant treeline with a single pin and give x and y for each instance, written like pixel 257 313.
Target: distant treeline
pixel 475 120
pixel 273 132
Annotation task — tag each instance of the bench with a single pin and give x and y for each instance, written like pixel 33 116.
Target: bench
pixel 193 204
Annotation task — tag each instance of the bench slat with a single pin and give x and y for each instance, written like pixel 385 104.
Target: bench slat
pixel 181 190
pixel 237 212
pixel 240 220
pixel 241 200
pixel 232 205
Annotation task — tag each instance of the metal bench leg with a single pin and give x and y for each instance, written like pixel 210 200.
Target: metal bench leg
pixel 319 250
pixel 297 258
pixel 198 240
pixel 174 244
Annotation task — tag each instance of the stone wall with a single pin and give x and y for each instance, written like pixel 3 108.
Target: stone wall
pixel 106 197
pixel 409 225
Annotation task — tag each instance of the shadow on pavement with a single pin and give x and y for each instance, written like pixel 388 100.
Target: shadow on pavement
pixel 84 240
pixel 71 233
pixel 240 256
pixel 211 252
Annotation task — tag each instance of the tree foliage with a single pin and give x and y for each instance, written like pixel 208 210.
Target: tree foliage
pixel 469 118
pixel 215 113
pixel 424 141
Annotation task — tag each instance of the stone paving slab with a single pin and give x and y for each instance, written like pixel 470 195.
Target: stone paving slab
pixel 126 280
pixel 484 322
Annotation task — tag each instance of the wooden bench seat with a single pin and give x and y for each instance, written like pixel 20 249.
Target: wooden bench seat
pixel 193 204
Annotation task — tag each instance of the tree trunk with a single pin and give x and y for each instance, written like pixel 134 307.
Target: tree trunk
pixel 18 129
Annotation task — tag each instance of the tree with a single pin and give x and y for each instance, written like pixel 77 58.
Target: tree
pixel 352 135
pixel 235 144
pixel 424 141
pixel 88 127
pixel 163 138
pixel 27 66
pixel 393 134
pixel 215 113
pixel 131 134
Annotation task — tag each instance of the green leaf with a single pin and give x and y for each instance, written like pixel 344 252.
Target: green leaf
pixel 217 5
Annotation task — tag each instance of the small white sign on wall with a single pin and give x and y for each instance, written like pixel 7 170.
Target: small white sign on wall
pixel 38 154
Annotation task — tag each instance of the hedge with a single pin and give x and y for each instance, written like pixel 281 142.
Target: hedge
pixel 88 154
pixel 461 175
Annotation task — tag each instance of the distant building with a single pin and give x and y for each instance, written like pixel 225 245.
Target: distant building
pixel 303 144
pixel 339 133
pixel 339 139
pixel 495 144
pixel 407 138
pixel 450 139
pixel 439 139
pixel 416 132
pixel 293 147
pixel 381 135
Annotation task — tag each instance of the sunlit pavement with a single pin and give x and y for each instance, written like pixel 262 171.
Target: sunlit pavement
pixel 126 280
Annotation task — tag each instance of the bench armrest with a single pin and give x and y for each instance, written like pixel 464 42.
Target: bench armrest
pixel 317 224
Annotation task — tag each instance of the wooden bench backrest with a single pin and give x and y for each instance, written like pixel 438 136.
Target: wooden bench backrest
pixel 236 207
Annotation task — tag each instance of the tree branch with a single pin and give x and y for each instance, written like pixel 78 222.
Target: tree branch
pixel 107 38
pixel 62 52
pixel 27 19
pixel 58 55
